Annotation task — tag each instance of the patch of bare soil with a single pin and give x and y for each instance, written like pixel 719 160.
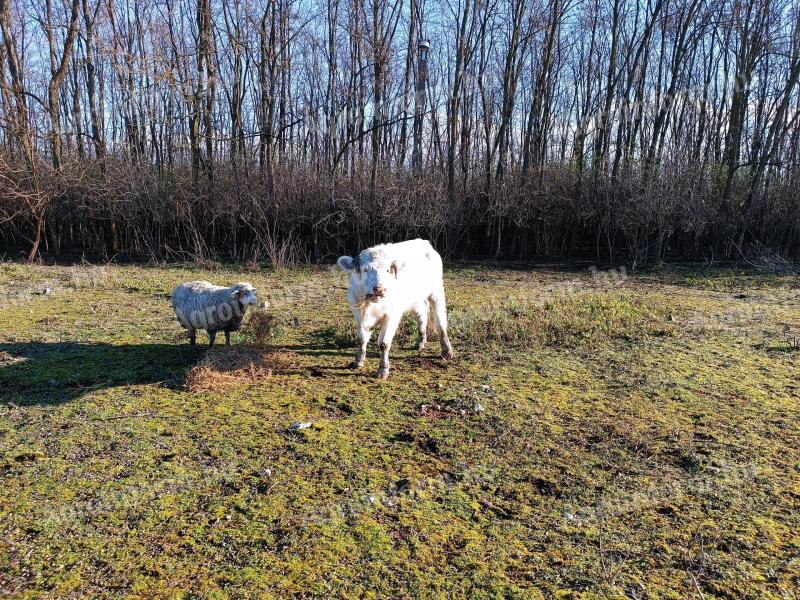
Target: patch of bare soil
pixel 21 291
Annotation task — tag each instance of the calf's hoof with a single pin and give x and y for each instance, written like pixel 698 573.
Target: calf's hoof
pixel 447 354
pixel 383 373
pixel 421 346
pixel 356 365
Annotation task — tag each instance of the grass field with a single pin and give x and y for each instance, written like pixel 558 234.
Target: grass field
pixel 597 435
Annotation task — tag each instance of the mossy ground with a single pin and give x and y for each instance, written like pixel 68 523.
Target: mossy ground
pixel 639 438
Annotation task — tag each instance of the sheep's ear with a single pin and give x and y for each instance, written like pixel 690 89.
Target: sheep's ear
pixel 346 263
pixel 236 293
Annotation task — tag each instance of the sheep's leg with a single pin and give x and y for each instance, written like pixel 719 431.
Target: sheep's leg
pixel 192 338
pixel 440 311
pixel 227 338
pixel 421 314
pixel 385 344
pixel 211 337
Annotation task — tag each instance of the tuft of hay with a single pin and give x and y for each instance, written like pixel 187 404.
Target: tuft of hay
pixel 223 368
pixel 208 264
pixel 260 327
pixel 7 359
pixel 251 266
pixel 766 259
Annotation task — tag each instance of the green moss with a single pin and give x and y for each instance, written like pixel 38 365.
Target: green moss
pixel 636 437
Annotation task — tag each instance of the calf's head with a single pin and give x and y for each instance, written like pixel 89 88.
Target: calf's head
pixel 372 273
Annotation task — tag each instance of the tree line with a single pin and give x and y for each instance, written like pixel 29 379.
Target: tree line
pixel 288 130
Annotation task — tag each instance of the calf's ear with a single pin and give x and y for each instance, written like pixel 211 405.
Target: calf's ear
pixel 396 266
pixel 346 263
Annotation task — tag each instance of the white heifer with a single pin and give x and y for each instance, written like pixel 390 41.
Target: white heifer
pixel 388 280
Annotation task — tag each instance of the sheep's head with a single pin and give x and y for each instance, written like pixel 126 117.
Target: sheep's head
pixel 245 293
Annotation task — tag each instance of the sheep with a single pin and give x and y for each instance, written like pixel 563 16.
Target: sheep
pixel 389 280
pixel 203 305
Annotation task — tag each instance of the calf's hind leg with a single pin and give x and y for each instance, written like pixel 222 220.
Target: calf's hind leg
pixel 440 311
pixel 421 315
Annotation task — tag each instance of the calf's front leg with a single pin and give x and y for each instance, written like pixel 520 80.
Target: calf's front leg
pixel 385 344
pixel 363 332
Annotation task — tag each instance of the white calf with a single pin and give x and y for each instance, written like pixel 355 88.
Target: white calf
pixel 388 280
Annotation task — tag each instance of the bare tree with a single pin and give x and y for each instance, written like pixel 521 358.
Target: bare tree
pixel 629 130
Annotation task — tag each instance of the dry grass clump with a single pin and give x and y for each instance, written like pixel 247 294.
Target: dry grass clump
pixel 260 327
pixel 569 321
pixel 224 368
pixel 251 266
pixel 760 256
pixel 7 359
pixel 86 276
pixel 791 333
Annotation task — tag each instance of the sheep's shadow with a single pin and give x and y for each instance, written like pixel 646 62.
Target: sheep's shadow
pixel 38 373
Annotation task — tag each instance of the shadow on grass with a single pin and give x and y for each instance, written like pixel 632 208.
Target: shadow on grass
pixel 316 350
pixel 54 373
pixel 787 349
pixel 333 337
pixel 39 373
pixel 343 337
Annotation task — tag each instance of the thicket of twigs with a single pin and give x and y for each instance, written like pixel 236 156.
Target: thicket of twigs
pixel 154 214
pixel 255 130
